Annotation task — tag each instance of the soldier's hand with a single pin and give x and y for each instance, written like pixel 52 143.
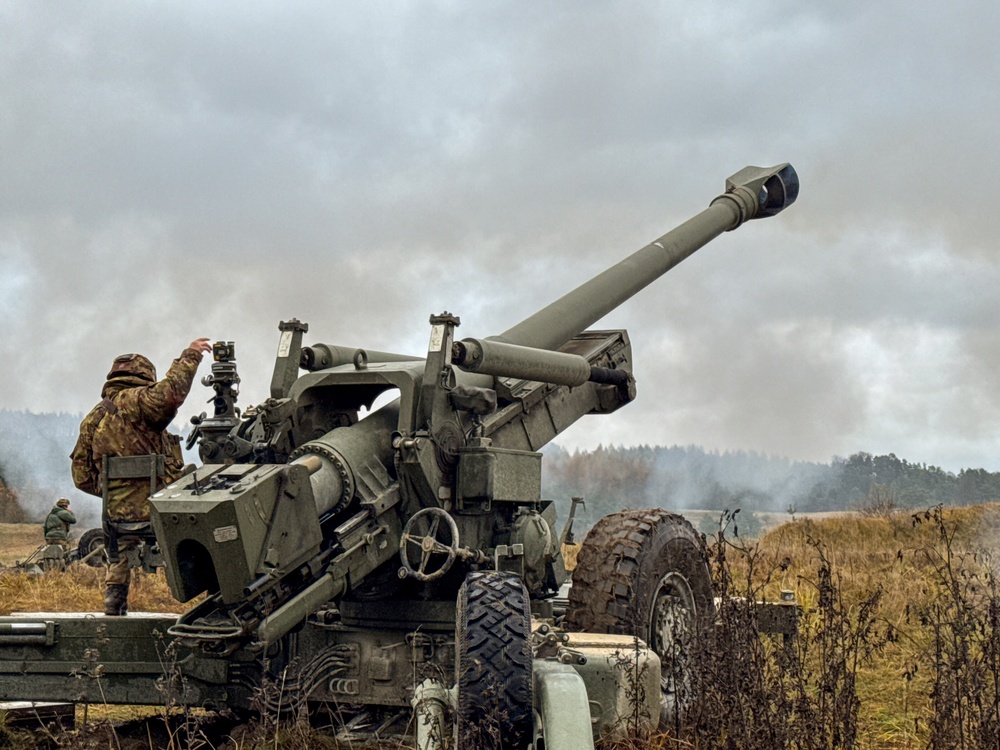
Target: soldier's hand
pixel 200 345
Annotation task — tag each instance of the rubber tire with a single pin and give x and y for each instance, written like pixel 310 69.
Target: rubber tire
pixel 627 559
pixel 88 542
pixel 493 662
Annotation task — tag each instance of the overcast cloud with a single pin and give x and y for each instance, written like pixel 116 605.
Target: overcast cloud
pixel 183 169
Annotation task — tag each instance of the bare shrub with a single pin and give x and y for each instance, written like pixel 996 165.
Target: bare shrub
pixel 962 616
pixel 752 691
pixel 888 609
pixel 880 502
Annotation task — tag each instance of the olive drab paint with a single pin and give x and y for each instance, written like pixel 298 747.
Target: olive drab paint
pixel 330 543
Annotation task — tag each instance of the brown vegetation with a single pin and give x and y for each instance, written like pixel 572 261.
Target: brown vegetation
pixel 18 540
pixel 899 643
pixel 10 510
pixel 79 589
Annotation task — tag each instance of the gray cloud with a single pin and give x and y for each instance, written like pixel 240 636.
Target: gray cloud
pixel 181 170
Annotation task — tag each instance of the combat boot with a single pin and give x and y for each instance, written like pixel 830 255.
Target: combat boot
pixel 116 599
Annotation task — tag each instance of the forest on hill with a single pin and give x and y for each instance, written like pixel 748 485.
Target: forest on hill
pixel 691 478
pixel 34 464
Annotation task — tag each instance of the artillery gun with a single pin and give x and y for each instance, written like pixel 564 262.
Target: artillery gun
pixel 398 560
pixel 52 557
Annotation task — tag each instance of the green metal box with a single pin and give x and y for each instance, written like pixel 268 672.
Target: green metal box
pixel 487 475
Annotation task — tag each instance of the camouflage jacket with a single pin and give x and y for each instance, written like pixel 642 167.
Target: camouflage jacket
pixel 132 420
pixel 57 523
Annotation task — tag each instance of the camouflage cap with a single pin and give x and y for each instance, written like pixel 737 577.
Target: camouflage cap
pixel 133 364
pixel 62 502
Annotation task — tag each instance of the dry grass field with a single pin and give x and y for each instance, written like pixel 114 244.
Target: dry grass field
pixel 78 589
pixel 902 610
pixel 18 540
pixel 898 644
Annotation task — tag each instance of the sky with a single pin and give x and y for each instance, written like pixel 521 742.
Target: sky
pixel 185 169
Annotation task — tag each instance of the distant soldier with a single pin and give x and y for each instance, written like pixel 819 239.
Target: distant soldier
pixel 132 420
pixel 57 524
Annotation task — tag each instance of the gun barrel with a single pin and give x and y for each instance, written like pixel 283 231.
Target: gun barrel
pixel 753 192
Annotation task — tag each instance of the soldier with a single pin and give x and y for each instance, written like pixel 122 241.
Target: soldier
pixel 132 420
pixel 57 524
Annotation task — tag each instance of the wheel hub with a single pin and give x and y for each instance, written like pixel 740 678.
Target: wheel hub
pixel 673 614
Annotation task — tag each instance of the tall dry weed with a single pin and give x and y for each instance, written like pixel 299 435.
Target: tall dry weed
pixel 80 588
pixel 962 616
pixel 755 691
pixel 898 643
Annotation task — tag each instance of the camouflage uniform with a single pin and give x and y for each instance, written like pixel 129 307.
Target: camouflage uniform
pixel 132 420
pixel 57 524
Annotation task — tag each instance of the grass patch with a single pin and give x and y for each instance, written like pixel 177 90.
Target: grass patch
pixel 18 540
pixel 80 588
pixel 899 643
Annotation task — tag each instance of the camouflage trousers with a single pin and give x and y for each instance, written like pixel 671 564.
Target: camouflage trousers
pixel 118 570
pixel 64 543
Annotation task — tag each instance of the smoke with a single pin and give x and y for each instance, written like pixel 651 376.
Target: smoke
pixel 35 464
pixel 699 480
pixel 181 171
pixel 685 479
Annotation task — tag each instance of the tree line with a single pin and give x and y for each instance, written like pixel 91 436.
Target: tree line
pixel 691 478
pixel 34 464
